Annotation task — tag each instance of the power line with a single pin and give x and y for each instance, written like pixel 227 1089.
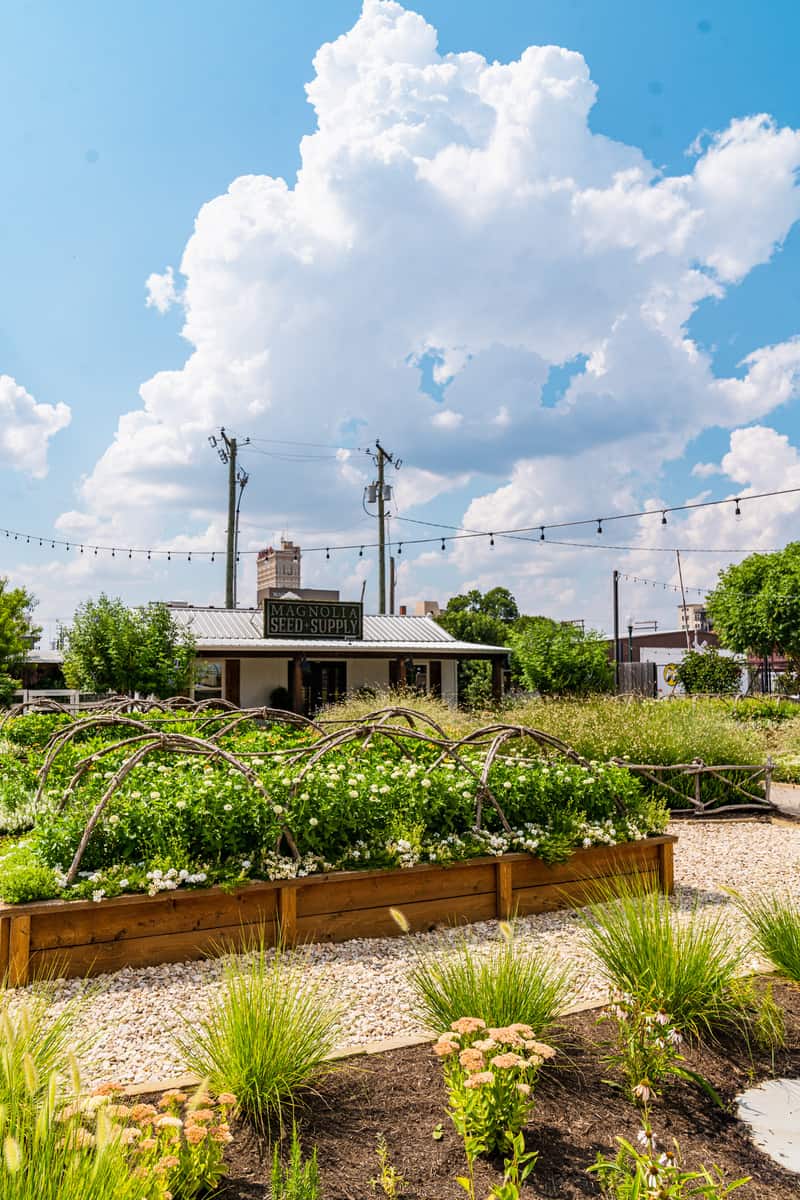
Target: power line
pixel 458 534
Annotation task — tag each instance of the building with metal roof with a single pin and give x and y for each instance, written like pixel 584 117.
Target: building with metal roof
pixel 241 658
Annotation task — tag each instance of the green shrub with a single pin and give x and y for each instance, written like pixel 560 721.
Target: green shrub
pixel 299 1179
pixel 266 1037
pixel 637 1174
pixel 24 877
pixel 684 964
pixel 709 671
pixel 509 984
pixel 775 922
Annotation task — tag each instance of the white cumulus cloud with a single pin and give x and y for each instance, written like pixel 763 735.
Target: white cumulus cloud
pixel 463 214
pixel 26 428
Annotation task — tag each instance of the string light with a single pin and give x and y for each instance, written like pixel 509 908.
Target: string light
pixel 458 533
pixel 400 549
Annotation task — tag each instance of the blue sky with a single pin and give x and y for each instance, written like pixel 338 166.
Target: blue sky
pixel 118 123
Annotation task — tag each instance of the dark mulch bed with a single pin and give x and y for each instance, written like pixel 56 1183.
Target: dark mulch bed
pixel 400 1095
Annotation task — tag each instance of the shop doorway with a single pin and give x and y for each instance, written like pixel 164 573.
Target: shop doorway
pixel 323 683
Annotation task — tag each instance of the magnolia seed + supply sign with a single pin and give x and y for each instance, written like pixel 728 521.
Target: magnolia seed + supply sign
pixel 309 619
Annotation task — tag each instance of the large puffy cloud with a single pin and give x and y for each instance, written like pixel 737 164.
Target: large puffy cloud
pixel 460 217
pixel 26 428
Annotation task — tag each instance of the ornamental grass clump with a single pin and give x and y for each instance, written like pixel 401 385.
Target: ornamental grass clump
pixel 266 1037
pixel 684 964
pixel 507 984
pixel 490 1075
pixel 775 924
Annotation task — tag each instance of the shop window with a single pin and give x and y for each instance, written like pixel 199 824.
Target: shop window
pixel 209 679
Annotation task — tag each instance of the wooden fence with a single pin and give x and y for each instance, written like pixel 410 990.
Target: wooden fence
pixel 750 786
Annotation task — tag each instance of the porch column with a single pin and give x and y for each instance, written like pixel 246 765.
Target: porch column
pixel 497 680
pixel 297 684
pixel 401 672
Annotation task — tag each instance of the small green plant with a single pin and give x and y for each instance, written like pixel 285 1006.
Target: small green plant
pixel 684 964
pixel 645 1173
pixel 299 1179
pixel 517 1169
pixel 266 1037
pixel 509 984
pixel 390 1181
pixel 490 1075
pixel 647 1050
pixel 765 1022
pixel 775 922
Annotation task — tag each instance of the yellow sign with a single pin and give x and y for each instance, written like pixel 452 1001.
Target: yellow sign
pixel 671 674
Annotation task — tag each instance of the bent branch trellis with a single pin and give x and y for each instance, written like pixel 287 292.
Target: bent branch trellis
pixel 146 741
pixel 81 937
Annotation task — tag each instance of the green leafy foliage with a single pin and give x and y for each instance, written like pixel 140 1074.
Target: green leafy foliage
pixel 183 821
pixel 17 634
pixel 755 606
pixel 561 660
pixel 112 648
pixel 509 983
pixel 710 672
pixel 644 1172
pixel 266 1037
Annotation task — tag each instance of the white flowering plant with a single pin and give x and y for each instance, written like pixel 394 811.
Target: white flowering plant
pixel 181 820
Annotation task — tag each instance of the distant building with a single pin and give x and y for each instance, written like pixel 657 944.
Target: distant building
pixel 695 618
pixel 427 608
pixel 278 575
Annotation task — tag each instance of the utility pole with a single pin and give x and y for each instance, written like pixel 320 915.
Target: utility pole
pixel 615 594
pixel 381 492
pixel 683 601
pixel 227 449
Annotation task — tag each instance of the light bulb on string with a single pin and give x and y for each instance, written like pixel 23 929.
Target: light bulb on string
pixel 361 552
pixel 169 556
pixel 213 553
pixel 189 556
pixel 327 552
pixel 400 549
pixel 737 511
pixel 443 546
pixel 664 517
pixel 113 553
pixel 81 549
pixel 130 554
pixel 599 525
pixel 491 539
pixel 148 556
pixel 541 534
pixel 95 551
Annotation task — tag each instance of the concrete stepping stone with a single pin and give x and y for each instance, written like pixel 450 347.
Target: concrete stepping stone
pixel 772 1112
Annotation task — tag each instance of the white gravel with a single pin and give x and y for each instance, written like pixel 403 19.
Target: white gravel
pixel 136 1014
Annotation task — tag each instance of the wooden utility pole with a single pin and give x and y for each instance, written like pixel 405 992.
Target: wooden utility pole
pixel 683 601
pixel 615 601
pixel 227 449
pixel 382 457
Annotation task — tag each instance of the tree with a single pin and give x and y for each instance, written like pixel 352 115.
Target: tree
pixel 561 660
pixel 112 648
pixel 755 606
pixel 475 617
pixel 17 634
pixel 709 671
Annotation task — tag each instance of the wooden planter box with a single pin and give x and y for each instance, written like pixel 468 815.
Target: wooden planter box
pixel 68 938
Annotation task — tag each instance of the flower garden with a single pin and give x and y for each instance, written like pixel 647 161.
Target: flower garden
pixel 284 830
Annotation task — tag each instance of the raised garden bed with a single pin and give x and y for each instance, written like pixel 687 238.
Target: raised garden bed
pixel 86 938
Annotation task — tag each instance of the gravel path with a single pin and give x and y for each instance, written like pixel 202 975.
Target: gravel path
pixel 136 1013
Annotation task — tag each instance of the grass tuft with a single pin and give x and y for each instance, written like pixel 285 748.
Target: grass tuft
pixel 266 1037
pixel 507 985
pixel 685 965
pixel 775 922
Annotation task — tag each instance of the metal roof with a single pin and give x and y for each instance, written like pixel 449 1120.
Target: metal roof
pixel 242 629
